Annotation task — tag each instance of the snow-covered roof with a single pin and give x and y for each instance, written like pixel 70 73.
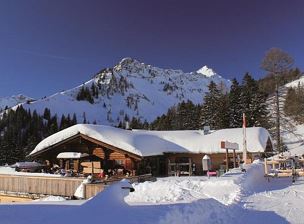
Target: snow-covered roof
pixel 71 155
pixel 25 165
pixel 149 143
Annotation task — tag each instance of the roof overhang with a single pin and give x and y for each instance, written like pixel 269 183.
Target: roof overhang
pixel 87 138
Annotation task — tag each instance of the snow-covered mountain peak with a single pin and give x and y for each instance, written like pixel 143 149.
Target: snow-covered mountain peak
pixel 130 89
pixel 21 97
pixel 11 101
pixel 129 64
pixel 206 71
pixel 126 62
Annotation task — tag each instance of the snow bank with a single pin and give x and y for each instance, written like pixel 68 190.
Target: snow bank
pixel 203 211
pixel 253 180
pixel 109 206
pixel 7 170
pixel 227 189
pixel 184 190
pixel 51 198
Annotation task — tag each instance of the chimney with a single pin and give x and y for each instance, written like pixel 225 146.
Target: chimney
pixel 127 125
pixel 206 130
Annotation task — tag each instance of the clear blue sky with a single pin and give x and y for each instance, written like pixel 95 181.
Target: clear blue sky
pixel 50 45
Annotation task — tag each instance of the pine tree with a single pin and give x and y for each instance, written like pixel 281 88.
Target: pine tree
pixel 223 120
pixel 53 125
pixel 253 103
pixel 74 119
pixel 68 121
pixel 93 89
pixel 21 131
pixel 47 114
pixel 146 125
pixel 62 122
pixel 85 94
pixel 214 109
pixel 84 118
pixel 235 108
pixel 136 123
pixel 187 116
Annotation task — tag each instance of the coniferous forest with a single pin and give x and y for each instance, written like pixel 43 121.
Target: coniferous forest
pixel 21 131
pixel 220 109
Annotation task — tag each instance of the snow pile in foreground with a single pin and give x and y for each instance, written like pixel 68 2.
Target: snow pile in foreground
pixel 184 190
pixel 52 198
pixel 227 189
pixel 253 179
pixel 175 200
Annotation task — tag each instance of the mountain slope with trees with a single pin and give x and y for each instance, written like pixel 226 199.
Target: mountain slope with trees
pixel 219 109
pixel 21 130
pixel 129 89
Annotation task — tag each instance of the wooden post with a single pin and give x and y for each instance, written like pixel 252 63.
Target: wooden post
pixel 234 159
pixel 85 191
pixel 78 169
pixel 265 166
pixel 190 167
pixel 227 167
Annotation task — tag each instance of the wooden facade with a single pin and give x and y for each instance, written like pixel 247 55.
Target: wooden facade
pixel 183 163
pixel 191 163
pixel 110 157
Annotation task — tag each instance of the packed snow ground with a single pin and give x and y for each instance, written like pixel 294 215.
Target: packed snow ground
pixel 234 198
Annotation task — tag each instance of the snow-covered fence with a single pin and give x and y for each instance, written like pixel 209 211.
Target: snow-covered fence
pixel 39 185
pixel 90 190
pixel 61 186
pixel 93 189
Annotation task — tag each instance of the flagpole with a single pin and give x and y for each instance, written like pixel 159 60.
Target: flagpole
pixel 244 140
